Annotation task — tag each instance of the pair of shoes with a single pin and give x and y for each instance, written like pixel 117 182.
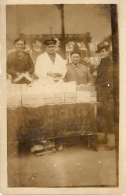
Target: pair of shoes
pixel 95 148
pixel 109 147
pixel 60 147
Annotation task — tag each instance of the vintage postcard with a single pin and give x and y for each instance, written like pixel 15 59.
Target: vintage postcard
pixel 63 126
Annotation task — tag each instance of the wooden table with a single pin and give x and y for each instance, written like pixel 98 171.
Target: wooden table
pixel 51 121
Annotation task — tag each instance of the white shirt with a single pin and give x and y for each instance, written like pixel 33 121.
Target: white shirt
pixel 44 65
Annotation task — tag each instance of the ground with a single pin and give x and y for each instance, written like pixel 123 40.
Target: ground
pixel 73 166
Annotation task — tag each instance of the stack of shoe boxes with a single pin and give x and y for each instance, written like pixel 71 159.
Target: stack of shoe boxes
pixel 49 98
pixel 14 95
pixel 20 95
pixel 59 98
pixel 86 93
pixel 33 100
pixel 70 97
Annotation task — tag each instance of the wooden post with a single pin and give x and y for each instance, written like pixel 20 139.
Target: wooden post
pixel 115 53
pixel 63 29
pixel 51 32
pixel 61 8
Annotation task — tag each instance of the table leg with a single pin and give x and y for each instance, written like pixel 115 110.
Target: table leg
pixel 95 110
pixel 13 165
pixel 89 142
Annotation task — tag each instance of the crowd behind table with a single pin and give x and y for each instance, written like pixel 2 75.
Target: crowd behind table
pixel 57 81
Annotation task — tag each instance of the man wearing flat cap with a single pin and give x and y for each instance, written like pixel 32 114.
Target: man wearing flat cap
pixel 76 71
pixel 50 64
pixel 104 87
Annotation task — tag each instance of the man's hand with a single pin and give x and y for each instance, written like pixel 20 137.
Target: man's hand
pixel 94 73
pixel 57 74
pixel 27 76
pixel 50 73
pixel 18 74
pixel 26 73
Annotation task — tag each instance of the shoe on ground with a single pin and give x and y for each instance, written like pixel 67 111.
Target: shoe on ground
pixel 60 147
pixel 109 147
pixel 95 149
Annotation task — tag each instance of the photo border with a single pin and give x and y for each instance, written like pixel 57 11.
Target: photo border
pixel 121 9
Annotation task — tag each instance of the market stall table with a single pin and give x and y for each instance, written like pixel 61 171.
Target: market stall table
pixel 28 123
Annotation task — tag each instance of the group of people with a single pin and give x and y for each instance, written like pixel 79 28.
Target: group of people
pixel 50 66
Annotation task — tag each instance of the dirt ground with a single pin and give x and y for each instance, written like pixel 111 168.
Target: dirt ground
pixel 74 166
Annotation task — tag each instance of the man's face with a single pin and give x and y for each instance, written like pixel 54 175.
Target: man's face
pixel 19 46
pixel 50 49
pixel 103 53
pixel 75 58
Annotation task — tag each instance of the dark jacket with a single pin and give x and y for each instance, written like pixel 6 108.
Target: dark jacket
pixel 104 87
pixel 79 73
pixel 104 80
pixel 15 64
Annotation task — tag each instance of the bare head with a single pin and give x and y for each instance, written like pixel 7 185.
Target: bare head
pixel 19 44
pixel 75 57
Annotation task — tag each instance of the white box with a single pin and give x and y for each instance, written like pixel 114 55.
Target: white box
pixel 83 96
pixel 14 99
pixel 28 102
pixel 93 99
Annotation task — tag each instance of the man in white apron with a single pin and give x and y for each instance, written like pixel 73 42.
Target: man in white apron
pixel 50 64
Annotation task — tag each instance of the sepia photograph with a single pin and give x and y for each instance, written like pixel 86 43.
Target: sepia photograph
pixel 62 95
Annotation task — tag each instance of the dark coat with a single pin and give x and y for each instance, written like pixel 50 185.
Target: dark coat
pixel 79 73
pixel 15 64
pixel 104 87
pixel 104 80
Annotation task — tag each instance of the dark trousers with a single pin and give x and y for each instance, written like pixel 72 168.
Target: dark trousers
pixel 105 117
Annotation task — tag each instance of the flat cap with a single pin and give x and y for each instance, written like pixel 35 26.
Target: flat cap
pixel 50 42
pixel 75 52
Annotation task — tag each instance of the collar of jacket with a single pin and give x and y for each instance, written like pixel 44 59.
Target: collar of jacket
pixel 52 55
pixel 23 56
pixel 105 63
pixel 74 66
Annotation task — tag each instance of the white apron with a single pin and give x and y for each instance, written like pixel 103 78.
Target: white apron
pixel 44 65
